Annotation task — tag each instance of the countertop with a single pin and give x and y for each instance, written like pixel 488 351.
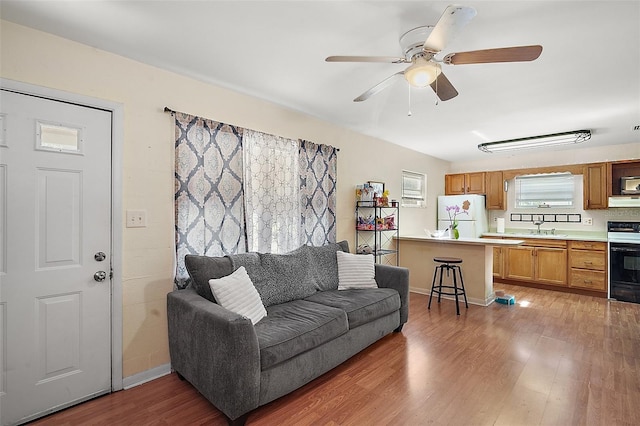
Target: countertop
pixel 466 241
pixel 560 235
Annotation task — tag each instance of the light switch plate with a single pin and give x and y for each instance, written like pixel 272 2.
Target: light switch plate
pixel 136 218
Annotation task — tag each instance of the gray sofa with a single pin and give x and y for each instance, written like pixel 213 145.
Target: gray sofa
pixel 310 327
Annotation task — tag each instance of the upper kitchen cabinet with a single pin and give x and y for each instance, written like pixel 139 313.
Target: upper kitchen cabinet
pixel 464 183
pixel 495 191
pixel 595 186
pixel 622 174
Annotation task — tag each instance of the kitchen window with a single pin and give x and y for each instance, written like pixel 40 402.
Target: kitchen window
pixel 545 190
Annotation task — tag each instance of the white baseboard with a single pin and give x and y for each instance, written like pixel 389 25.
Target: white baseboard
pixel 471 300
pixel 146 376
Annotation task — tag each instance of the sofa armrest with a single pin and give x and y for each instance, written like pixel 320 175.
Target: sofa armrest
pixel 397 278
pixel 216 350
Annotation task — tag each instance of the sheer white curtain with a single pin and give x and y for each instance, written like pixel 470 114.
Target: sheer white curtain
pixel 272 195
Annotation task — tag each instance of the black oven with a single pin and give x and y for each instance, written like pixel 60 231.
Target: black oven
pixel 624 261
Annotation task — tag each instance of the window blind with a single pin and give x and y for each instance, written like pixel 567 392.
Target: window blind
pixel 547 190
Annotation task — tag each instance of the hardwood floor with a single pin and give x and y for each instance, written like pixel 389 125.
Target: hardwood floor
pixel 564 359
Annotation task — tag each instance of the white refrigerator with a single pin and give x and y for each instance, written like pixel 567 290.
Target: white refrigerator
pixel 472 215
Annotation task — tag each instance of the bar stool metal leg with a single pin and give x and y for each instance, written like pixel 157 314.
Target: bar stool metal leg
pixel 464 291
pixel 433 284
pixel 455 290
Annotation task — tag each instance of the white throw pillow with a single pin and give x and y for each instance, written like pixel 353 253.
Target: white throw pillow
pixel 355 271
pixel 237 293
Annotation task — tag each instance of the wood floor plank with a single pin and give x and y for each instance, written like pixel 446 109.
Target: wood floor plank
pixel 563 359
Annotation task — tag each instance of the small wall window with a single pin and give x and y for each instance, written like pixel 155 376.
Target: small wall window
pixel 545 190
pixel 414 189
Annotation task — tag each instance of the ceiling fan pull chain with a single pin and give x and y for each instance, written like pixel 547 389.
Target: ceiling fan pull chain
pixel 409 113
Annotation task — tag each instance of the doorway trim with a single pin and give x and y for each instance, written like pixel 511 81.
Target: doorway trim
pixel 117 144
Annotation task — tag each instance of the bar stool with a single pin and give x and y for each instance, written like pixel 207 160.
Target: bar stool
pixel 449 264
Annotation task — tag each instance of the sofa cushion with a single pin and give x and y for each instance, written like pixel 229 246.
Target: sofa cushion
pixel 362 305
pixel 279 278
pixel 236 293
pixel 295 327
pixel 323 265
pixel 203 268
pixel 356 271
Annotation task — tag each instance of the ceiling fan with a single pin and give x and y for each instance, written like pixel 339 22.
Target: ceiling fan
pixel 421 45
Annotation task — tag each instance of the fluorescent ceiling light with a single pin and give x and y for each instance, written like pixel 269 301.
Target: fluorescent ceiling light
pixel 566 138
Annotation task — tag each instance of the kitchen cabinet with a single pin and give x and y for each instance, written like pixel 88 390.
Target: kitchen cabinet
pixel 595 186
pixel 538 261
pixel 619 169
pixel 498 262
pixel 464 183
pixel 588 262
pixel 494 185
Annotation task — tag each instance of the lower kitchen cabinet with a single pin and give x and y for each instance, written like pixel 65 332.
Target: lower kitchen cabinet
pixel 498 261
pixel 588 261
pixel 537 261
pixel 574 266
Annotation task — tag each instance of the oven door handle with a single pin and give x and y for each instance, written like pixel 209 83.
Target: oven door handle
pixel 625 249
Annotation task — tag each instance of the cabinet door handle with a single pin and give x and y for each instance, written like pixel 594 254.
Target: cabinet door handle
pixel 588 262
pixel 588 281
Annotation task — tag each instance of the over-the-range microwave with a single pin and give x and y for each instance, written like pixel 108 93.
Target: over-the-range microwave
pixel 630 185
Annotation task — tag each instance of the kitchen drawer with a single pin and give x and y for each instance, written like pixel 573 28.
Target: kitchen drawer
pixel 588 259
pixel 590 280
pixel 589 245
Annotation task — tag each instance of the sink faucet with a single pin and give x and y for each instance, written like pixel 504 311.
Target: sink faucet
pixel 538 223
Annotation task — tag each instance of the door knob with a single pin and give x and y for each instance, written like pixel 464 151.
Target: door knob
pixel 100 276
pixel 99 256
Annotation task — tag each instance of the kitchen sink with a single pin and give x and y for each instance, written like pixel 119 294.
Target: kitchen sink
pixel 536 235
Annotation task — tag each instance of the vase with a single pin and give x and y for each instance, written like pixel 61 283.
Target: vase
pixel 455 234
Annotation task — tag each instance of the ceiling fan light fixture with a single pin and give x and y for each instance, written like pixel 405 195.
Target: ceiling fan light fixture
pixel 555 139
pixel 422 73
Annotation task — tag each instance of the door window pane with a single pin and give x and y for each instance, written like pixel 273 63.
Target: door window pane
pixel 53 137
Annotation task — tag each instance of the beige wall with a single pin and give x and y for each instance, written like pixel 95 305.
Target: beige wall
pixel 38 58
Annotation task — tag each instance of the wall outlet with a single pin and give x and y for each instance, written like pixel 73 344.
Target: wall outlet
pixel 136 218
pixel 587 221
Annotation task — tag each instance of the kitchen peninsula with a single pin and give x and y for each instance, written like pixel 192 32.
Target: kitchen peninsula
pixel 477 267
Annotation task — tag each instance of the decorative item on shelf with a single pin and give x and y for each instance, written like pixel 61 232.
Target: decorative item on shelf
pixel 365 223
pixel 364 249
pixel 390 222
pixel 378 188
pixel 383 201
pixel 453 212
pixel 364 195
pixel 394 203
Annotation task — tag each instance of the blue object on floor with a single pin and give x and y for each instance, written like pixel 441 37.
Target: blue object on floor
pixel 507 299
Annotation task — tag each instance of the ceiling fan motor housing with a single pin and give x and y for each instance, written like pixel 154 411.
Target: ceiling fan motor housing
pixel 412 41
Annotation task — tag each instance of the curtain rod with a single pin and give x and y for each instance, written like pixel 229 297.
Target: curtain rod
pixel 172 112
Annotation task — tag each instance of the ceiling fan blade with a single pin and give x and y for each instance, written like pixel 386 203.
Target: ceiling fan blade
pixel 448 26
pixel 505 54
pixel 378 87
pixel 443 88
pixel 385 59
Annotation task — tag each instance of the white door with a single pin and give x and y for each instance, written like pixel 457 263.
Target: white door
pixel 55 202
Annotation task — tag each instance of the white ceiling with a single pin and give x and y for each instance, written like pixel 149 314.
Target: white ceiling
pixel 588 75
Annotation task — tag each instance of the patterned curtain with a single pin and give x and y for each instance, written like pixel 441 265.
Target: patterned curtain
pixel 318 180
pixel 272 200
pixel 239 190
pixel 209 199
